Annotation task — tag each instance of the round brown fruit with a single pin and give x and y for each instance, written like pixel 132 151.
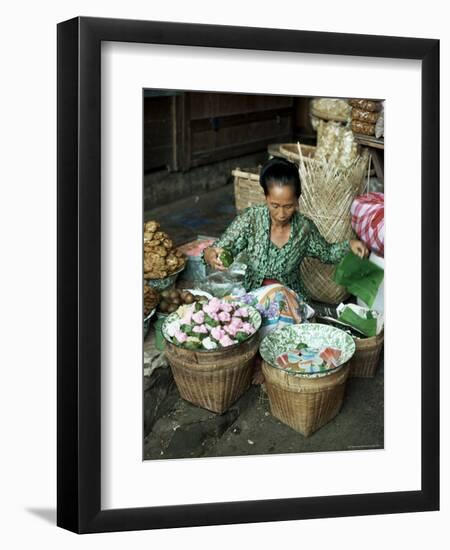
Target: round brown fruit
pixel 164 306
pixel 189 298
pixel 172 308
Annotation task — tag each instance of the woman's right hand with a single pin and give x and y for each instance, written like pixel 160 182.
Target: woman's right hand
pixel 211 256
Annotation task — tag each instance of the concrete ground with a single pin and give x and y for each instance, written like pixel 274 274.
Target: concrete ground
pixel 174 428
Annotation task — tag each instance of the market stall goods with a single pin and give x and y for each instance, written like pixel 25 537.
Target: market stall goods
pixel 161 258
pixel 151 299
pixel 365 361
pixel 306 399
pixel 211 378
pixel 327 108
pixel 366 104
pixel 365 128
pixel 328 190
pixel 368 220
pixel 211 325
pixel 172 299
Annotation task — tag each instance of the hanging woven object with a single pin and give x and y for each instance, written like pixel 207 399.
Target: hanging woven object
pixel 328 190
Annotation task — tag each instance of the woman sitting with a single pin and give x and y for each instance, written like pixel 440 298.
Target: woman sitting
pixel 275 236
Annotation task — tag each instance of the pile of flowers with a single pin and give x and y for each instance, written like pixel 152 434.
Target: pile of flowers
pixel 212 325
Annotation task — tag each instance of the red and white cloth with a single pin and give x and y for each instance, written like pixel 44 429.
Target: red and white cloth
pixel 368 220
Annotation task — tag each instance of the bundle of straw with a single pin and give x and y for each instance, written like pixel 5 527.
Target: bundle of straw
pixel 328 190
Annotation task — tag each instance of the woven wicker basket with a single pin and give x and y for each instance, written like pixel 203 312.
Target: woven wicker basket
pixel 213 380
pixel 327 195
pixel 289 151
pixel 303 403
pixel 247 191
pixel 365 361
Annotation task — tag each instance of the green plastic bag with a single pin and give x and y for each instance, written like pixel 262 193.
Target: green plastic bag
pixel 360 277
pixel 367 325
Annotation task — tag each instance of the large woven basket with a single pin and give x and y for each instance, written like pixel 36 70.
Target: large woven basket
pixel 213 380
pixel 364 362
pixel 328 191
pixel 305 404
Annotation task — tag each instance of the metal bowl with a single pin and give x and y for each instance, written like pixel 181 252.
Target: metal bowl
pixel 166 282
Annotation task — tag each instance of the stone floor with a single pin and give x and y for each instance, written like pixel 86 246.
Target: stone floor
pixel 174 428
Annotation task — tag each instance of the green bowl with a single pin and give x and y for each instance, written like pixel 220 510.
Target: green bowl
pixel 254 319
pixel 313 335
pixel 166 282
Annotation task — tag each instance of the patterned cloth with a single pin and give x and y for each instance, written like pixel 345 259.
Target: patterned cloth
pixel 250 231
pixel 278 306
pixel 368 220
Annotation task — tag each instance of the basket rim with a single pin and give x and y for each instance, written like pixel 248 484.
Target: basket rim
pixel 216 350
pixel 329 371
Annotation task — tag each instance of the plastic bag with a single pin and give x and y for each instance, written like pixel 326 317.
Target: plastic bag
pixel 360 277
pixel 368 220
pixel 368 321
pixel 226 283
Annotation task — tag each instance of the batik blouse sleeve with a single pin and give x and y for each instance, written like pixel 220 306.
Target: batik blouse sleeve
pixel 324 251
pixel 235 237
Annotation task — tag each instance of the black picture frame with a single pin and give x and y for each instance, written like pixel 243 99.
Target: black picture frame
pixel 79 281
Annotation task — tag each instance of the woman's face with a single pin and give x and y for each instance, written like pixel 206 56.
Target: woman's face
pixel 282 203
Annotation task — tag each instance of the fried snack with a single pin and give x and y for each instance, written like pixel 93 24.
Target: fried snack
pixel 151 299
pixel 364 116
pixel 151 226
pixel 366 104
pixel 161 259
pixel 363 128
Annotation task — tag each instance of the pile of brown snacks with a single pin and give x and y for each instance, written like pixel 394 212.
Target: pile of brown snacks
pixel 160 257
pixel 171 300
pixel 151 299
pixel 365 114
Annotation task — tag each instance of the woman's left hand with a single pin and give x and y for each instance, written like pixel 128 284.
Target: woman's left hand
pixel 359 248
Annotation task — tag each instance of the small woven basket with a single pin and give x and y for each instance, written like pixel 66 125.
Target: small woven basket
pixel 364 362
pixel 304 403
pixel 213 380
pixel 247 190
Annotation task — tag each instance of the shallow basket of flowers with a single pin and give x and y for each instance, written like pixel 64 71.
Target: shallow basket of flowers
pixel 210 349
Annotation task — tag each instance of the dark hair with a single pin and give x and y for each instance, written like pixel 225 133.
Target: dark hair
pixel 280 172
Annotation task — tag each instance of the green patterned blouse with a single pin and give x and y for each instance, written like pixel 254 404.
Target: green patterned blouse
pixel 250 232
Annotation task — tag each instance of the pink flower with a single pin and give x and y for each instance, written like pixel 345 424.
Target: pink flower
pixel 248 328
pixel 226 341
pixel 225 306
pixel 236 322
pixel 210 310
pixel 231 330
pixel 217 333
pixel 224 317
pixel 180 336
pixel 241 312
pixel 200 329
pixel 199 317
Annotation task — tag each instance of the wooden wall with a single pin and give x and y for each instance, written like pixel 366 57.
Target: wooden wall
pixel 190 129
